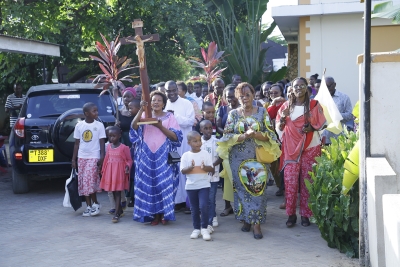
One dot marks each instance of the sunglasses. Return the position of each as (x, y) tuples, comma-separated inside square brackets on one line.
[(302, 86)]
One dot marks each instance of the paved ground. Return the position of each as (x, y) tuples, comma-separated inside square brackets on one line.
[(36, 230)]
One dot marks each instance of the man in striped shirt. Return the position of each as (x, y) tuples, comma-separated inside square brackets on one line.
[(14, 103)]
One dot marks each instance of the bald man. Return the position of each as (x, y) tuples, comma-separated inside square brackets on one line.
[(344, 106), (184, 114)]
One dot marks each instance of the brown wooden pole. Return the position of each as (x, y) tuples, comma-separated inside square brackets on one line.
[(144, 80)]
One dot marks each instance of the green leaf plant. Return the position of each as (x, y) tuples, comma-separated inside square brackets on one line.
[(112, 66), (237, 29), (387, 10), (335, 214), (211, 59)]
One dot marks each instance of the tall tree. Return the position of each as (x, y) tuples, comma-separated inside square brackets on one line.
[(238, 31), (72, 24), (75, 25)]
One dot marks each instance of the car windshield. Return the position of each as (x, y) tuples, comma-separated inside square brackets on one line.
[(54, 104)]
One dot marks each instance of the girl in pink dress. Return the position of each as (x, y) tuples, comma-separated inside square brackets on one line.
[(116, 169)]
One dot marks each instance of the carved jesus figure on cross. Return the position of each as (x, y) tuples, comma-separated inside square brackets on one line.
[(139, 40), (140, 49)]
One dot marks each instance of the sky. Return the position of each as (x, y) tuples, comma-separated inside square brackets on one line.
[(267, 16)]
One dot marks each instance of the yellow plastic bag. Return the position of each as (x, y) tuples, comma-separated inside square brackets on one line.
[(264, 156)]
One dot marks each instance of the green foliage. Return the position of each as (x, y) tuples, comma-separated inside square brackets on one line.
[(111, 65), (75, 26), (386, 10), (238, 31), (209, 64), (275, 76), (335, 214), (72, 24)]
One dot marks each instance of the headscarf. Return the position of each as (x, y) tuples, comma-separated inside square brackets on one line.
[(129, 89)]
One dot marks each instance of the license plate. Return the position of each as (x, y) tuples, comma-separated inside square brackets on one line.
[(41, 155)]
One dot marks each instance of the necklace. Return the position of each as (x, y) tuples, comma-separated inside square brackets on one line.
[(244, 112), (156, 116)]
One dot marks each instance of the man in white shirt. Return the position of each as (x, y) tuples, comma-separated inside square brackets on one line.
[(197, 94), (344, 106), (184, 114)]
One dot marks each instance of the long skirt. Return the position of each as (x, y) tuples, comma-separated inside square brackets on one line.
[(250, 179)]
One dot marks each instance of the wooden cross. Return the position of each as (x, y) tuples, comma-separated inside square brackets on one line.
[(139, 40)]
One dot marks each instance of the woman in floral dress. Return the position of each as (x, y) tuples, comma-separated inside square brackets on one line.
[(248, 127)]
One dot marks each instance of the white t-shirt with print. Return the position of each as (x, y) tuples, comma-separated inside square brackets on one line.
[(210, 146), (89, 135), (197, 180)]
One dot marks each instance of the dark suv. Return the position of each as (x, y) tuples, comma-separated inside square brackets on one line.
[(41, 142)]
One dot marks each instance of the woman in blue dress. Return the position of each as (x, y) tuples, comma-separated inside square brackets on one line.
[(156, 181)]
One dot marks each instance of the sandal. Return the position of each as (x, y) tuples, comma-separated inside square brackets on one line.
[(164, 221), (154, 223), (305, 221), (291, 221), (115, 219), (279, 193), (226, 212), (246, 227)]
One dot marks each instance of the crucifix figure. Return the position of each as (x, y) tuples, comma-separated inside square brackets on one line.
[(139, 40), (140, 49)]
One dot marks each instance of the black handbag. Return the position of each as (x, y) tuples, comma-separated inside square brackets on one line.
[(74, 198), (173, 157)]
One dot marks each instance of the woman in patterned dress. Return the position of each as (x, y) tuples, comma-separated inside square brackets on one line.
[(246, 128), (298, 122), (156, 181)]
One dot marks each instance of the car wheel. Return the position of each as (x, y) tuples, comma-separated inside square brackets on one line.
[(63, 131), (19, 183)]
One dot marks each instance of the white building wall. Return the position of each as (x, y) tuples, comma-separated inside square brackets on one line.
[(385, 126), (392, 229), (335, 42), (316, 2)]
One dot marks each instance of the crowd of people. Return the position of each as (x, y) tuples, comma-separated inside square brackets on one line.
[(222, 135)]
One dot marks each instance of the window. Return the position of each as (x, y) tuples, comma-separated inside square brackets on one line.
[(55, 104)]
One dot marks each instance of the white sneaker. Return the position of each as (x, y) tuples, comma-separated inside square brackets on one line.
[(95, 209), (215, 222), (87, 211), (195, 234), (210, 229), (205, 234)]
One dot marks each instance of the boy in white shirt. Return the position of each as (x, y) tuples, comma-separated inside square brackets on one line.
[(196, 164), (209, 144), (88, 155)]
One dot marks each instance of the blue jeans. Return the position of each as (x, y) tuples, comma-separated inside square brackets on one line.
[(211, 202), (199, 202)]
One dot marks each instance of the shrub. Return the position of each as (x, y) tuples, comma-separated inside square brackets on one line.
[(335, 214)]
